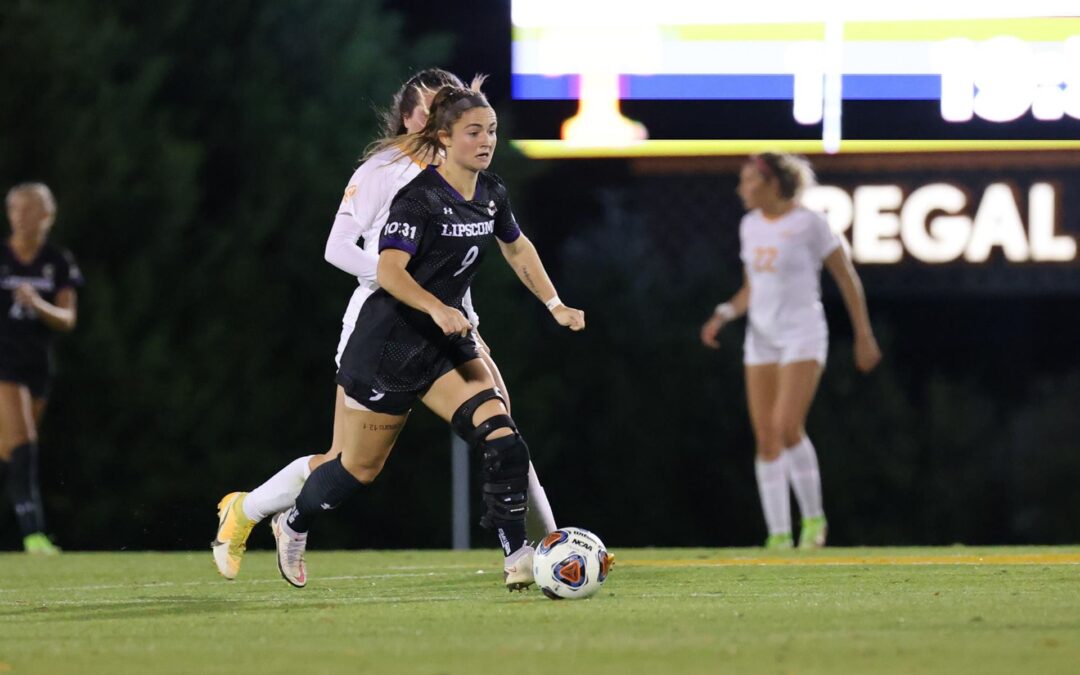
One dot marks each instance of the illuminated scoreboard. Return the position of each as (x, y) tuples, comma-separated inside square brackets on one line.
[(689, 77)]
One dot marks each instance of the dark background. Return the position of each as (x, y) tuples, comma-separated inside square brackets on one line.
[(198, 152)]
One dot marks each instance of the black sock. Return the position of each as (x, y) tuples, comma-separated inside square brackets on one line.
[(511, 535), (23, 491), (326, 488)]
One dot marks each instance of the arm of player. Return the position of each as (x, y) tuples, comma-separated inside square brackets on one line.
[(344, 253), (61, 316), (396, 280), (525, 261), (724, 313), (867, 352), (359, 209)]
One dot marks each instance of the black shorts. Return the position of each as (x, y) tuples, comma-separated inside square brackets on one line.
[(37, 378), (373, 393)]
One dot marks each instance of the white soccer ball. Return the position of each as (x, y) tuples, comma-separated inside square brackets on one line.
[(571, 563)]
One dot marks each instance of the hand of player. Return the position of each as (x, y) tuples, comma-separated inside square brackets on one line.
[(710, 329), (26, 296), (450, 321), (867, 352), (574, 319)]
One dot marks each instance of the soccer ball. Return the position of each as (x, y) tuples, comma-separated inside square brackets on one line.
[(571, 563)]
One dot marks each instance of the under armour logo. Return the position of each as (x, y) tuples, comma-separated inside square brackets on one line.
[(378, 395), (448, 211), (491, 208)]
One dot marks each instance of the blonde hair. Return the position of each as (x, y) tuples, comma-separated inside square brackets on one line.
[(41, 190), (793, 172), (447, 107)]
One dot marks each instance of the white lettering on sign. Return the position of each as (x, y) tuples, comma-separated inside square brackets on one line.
[(932, 223), (1001, 79), (874, 240), (943, 237)]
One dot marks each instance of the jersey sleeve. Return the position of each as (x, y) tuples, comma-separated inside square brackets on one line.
[(823, 240), (405, 224), (355, 220), (68, 274)]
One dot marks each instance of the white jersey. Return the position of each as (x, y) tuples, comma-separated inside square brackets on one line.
[(362, 215), (782, 259)]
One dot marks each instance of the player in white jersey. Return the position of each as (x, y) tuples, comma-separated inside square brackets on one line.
[(352, 246), (783, 247)]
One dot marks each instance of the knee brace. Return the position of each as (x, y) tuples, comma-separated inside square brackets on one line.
[(504, 462), (504, 468), (463, 416)]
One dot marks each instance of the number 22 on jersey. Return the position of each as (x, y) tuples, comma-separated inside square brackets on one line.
[(764, 257)]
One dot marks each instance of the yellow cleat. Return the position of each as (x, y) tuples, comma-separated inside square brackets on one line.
[(39, 544), (779, 542), (233, 530), (813, 533)]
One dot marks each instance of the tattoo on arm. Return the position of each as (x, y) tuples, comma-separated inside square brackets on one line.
[(529, 281)]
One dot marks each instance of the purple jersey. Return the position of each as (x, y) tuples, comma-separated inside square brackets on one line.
[(395, 347), (24, 339)]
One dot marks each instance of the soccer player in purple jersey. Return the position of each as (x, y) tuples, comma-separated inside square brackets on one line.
[(38, 283), (352, 246), (412, 341)]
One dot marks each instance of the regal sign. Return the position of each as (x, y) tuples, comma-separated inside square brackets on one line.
[(940, 223)]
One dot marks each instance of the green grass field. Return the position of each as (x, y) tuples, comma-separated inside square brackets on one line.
[(952, 610)]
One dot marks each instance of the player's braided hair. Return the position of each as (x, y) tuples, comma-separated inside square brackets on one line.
[(448, 105), (793, 172), (411, 95)]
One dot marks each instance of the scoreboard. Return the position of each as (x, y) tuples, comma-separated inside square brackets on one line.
[(684, 77)]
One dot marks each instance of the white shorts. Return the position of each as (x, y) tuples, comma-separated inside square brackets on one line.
[(759, 350)]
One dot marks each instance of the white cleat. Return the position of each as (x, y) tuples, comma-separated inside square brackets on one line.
[(518, 569), (290, 550)]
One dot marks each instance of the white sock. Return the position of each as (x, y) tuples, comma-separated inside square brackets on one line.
[(540, 519), (775, 498), (279, 492), (802, 466)]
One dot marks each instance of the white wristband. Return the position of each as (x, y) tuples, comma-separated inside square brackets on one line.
[(553, 302), (725, 310)]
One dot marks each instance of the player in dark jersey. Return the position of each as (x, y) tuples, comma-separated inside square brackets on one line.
[(352, 246), (412, 341), (37, 298)]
